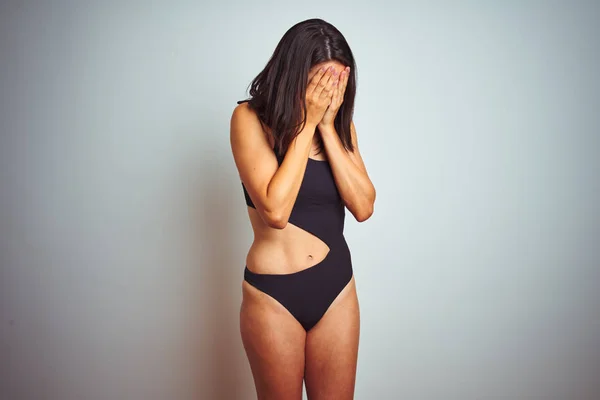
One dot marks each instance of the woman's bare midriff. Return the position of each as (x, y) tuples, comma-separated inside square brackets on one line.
[(282, 251)]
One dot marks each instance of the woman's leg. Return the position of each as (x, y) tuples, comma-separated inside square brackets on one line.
[(332, 349), (274, 343)]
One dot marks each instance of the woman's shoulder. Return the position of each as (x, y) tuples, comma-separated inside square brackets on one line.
[(245, 119), (245, 116), (243, 108)]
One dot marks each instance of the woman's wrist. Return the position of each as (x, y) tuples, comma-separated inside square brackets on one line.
[(309, 128), (326, 129)]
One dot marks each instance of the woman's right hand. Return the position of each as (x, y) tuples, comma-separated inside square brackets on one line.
[(319, 94)]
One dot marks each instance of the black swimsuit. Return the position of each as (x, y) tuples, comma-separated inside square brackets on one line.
[(319, 210)]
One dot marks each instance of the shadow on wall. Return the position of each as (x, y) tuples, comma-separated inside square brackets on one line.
[(218, 362)]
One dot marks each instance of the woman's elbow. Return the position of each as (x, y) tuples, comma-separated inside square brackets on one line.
[(276, 220), (367, 210), (364, 213), (363, 216)]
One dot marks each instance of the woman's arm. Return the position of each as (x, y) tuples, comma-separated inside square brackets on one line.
[(273, 188), (350, 173)]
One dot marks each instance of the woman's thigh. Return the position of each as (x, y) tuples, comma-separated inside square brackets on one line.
[(332, 349), (274, 342)]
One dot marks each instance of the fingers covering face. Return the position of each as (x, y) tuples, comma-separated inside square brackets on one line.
[(324, 82), (316, 78)]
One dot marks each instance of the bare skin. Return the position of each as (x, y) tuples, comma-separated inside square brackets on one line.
[(281, 353)]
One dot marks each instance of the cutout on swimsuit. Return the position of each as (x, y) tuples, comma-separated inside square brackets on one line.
[(304, 251)]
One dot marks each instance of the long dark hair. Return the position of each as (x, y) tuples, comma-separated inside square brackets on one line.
[(278, 93)]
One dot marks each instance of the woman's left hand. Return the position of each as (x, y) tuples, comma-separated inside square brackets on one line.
[(337, 99)]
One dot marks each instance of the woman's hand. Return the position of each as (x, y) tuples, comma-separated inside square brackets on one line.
[(318, 95), (339, 88)]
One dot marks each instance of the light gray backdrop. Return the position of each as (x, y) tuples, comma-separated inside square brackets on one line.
[(124, 229)]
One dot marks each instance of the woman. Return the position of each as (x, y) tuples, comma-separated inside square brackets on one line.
[(295, 148)]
